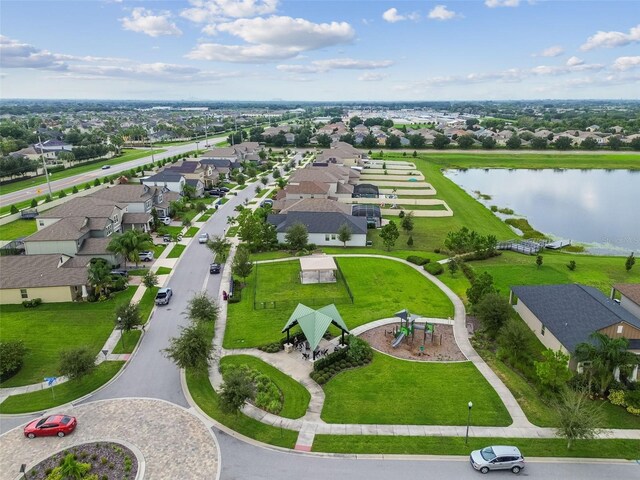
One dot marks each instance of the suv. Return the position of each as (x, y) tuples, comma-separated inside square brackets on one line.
[(164, 296), (203, 238), (214, 268), (497, 458), (146, 256), (165, 220), (119, 273)]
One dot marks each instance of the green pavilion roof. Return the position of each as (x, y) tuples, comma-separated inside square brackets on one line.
[(314, 323)]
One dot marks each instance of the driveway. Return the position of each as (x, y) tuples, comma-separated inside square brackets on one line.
[(174, 443)]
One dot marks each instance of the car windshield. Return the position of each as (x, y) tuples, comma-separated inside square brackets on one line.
[(41, 422), (65, 420), (487, 454), (161, 295)]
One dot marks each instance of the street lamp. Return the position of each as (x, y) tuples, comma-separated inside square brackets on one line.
[(23, 471), (466, 439), (197, 148), (121, 337)]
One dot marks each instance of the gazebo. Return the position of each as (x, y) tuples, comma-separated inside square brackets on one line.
[(314, 323), (317, 269)]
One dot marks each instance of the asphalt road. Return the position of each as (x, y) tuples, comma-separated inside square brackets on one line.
[(56, 185)]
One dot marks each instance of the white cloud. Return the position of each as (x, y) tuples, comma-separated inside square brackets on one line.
[(625, 63), (392, 16), (213, 11), (15, 54), (371, 77), (154, 25), (322, 66), (440, 12), (273, 38), (566, 69), (612, 39), (501, 3), (553, 51), (573, 61)]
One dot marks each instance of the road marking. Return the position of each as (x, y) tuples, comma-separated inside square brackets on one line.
[(205, 283)]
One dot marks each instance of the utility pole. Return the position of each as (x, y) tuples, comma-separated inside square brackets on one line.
[(44, 164)]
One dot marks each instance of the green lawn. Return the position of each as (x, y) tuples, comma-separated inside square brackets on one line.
[(232, 232), (130, 340), (394, 391), (127, 156), (204, 217), (296, 397), (173, 231), (192, 232), (54, 327), (163, 271), (530, 447), (64, 393), (158, 249), (176, 251), (17, 229), (138, 272), (377, 292), (147, 303)]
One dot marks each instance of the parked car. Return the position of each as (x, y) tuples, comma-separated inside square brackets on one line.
[(165, 220), (214, 191), (119, 273), (163, 297), (105, 167), (59, 425), (497, 458), (214, 268), (146, 256), (203, 238), (224, 189), (265, 202)]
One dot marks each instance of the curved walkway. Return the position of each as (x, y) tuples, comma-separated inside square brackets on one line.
[(174, 443)]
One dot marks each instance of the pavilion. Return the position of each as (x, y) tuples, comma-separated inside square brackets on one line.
[(318, 269), (314, 323)]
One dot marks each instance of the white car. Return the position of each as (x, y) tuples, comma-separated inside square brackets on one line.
[(146, 256), (203, 238), (165, 220)]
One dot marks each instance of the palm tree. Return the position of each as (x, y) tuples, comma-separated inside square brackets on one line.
[(99, 274), (130, 244), (117, 246), (606, 355), (220, 247)]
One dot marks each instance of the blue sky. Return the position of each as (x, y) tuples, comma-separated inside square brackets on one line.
[(320, 50)]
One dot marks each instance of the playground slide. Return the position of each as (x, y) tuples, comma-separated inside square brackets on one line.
[(398, 340)]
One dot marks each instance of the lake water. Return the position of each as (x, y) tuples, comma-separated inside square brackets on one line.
[(599, 208)]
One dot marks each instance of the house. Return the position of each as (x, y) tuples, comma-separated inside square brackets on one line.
[(53, 278), (564, 316), (322, 227), (172, 181), (629, 296), (310, 205), (53, 146)]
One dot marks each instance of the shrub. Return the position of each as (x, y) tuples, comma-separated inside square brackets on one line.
[(616, 397), (416, 260), (358, 349), (633, 410), (12, 354), (34, 302), (401, 214), (77, 363), (34, 203), (14, 209), (434, 268), (62, 194), (74, 189), (494, 208), (632, 398), (571, 265), (96, 182)]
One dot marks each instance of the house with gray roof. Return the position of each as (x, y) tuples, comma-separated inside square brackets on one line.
[(323, 227), (564, 316), (170, 180)]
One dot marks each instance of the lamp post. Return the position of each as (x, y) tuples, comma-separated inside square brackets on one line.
[(197, 148), (121, 337), (466, 439), (23, 471)]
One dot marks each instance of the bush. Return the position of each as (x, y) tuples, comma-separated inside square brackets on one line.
[(616, 397), (14, 210), (632, 398), (416, 260), (571, 265), (358, 350), (12, 355), (434, 268), (77, 363), (633, 410), (34, 302), (62, 194)]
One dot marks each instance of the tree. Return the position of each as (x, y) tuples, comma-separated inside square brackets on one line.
[(514, 341), (150, 279), (344, 234), (297, 236), (220, 247), (192, 349), (553, 372), (407, 223), (440, 141), (77, 363), (605, 356), (493, 311), (589, 143), (635, 143), (12, 355), (416, 141), (202, 308), (578, 416), (538, 143), (452, 265), (389, 234), (369, 141), (393, 141), (127, 316), (410, 241), (236, 389), (242, 264), (489, 143), (514, 142), (629, 262), (571, 265), (481, 286), (34, 203), (324, 140), (465, 141), (99, 274), (563, 143), (539, 260), (129, 244), (614, 143)]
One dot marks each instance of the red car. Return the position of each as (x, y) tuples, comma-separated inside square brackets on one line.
[(59, 425)]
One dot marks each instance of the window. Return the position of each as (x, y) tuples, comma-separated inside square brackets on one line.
[(619, 329), (542, 330), (41, 222), (109, 229), (326, 237), (23, 293), (333, 236)]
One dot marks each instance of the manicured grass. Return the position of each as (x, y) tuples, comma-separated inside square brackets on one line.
[(158, 249), (130, 340), (173, 231), (204, 217), (54, 327), (530, 447), (138, 272), (192, 232), (262, 193), (176, 251), (127, 156), (64, 393), (241, 187), (207, 399), (394, 391), (296, 397), (232, 232), (147, 302), (17, 229), (224, 200), (163, 271), (380, 287)]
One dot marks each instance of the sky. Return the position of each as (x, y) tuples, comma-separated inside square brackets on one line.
[(317, 50)]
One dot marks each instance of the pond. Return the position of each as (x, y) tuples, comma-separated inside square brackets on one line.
[(598, 208)]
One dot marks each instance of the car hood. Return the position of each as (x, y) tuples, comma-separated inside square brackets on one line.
[(477, 457), (32, 425)]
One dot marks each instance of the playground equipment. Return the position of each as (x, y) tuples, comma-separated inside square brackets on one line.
[(408, 327)]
